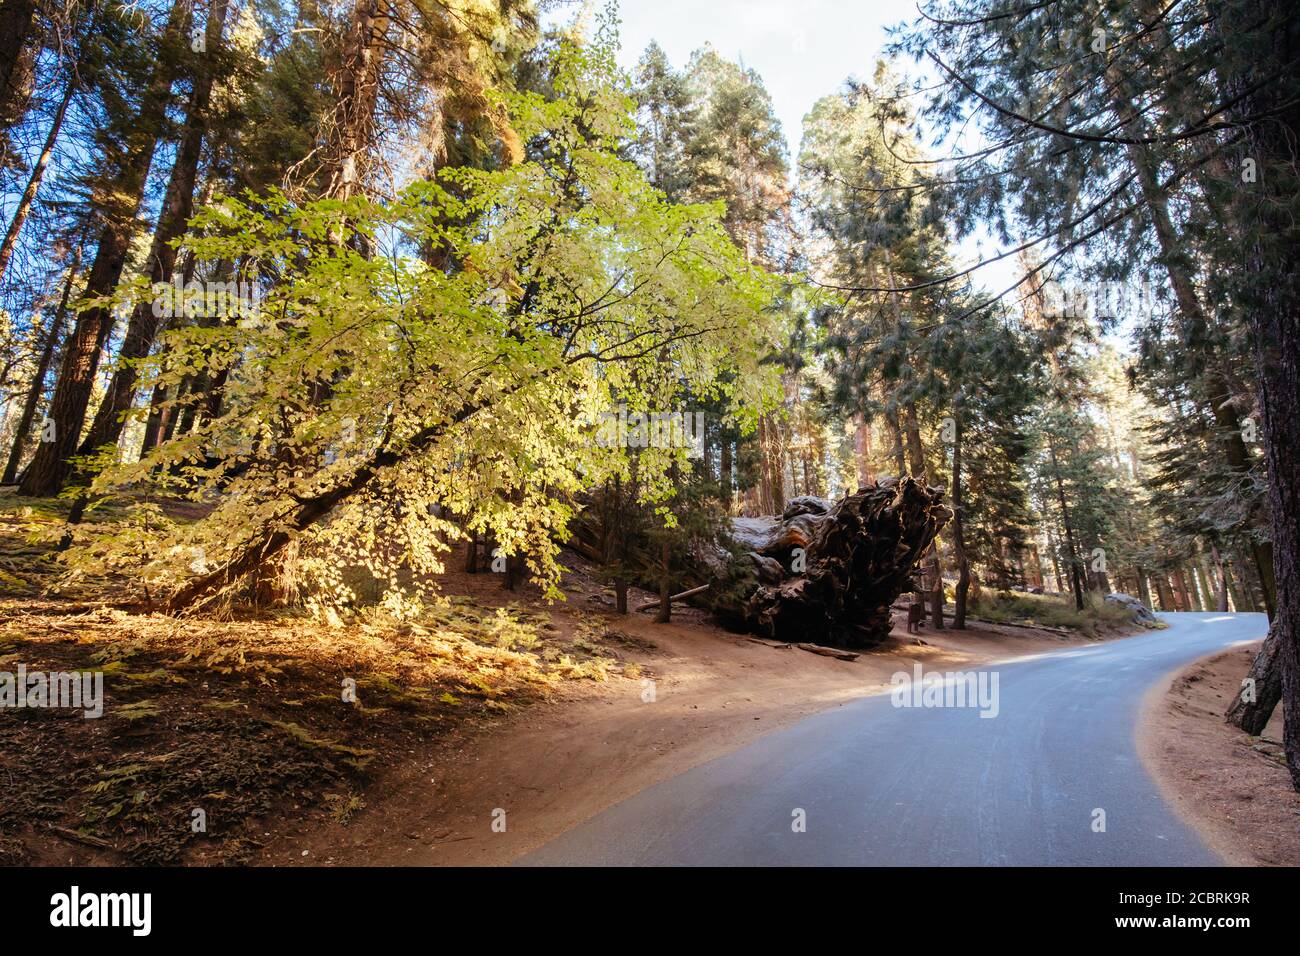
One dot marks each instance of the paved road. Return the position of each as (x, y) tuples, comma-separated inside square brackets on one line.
[(887, 785)]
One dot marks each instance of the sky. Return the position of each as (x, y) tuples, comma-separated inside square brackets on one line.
[(803, 49)]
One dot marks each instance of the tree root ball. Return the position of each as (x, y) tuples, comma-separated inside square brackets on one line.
[(828, 573)]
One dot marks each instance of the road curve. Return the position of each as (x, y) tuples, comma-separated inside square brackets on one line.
[(880, 784)]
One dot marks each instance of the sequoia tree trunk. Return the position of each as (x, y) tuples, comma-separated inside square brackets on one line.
[(117, 202), (351, 125), (174, 217), (1222, 592)]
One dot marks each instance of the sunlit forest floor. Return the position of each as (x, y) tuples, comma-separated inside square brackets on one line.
[(241, 718), (244, 718)]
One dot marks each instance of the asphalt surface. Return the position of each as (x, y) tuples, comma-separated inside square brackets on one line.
[(880, 784)]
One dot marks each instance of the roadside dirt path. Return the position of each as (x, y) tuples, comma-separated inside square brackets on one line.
[(1233, 788)]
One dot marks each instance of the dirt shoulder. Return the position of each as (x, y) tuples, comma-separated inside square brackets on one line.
[(556, 764), (1231, 787)]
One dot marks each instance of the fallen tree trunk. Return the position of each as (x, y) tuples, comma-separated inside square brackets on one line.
[(681, 596), (829, 573), (821, 572), (820, 650), (828, 652)]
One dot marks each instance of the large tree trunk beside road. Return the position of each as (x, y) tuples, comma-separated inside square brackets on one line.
[(1260, 691)]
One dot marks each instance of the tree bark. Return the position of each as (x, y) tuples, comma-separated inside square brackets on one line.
[(1242, 599), (350, 130), (1180, 590), (1209, 598), (1263, 683), (1222, 592), (155, 423), (1054, 551), (1100, 581), (857, 557), (618, 546), (665, 585), (1071, 555), (921, 471), (1144, 589), (174, 217), (471, 552), (17, 18), (896, 435), (1165, 593), (862, 448), (1036, 563), (726, 478), (958, 536), (1200, 594), (161, 423), (118, 204)]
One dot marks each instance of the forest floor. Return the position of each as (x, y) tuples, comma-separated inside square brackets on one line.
[(488, 725), (1233, 788)]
